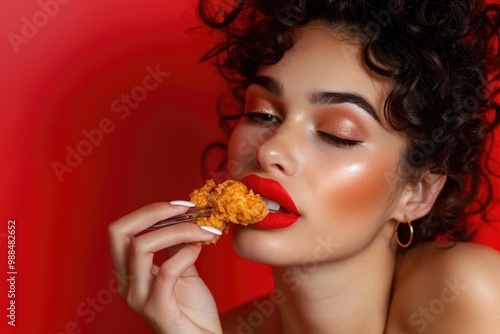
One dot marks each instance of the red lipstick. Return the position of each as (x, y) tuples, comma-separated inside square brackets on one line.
[(273, 190)]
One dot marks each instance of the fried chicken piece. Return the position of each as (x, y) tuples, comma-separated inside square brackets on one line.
[(231, 202)]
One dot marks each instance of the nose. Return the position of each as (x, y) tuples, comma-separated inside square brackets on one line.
[(278, 153)]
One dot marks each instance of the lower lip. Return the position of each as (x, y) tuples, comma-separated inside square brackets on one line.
[(276, 221)]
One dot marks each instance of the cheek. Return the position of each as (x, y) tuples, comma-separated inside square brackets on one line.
[(241, 151), (361, 188), (242, 148)]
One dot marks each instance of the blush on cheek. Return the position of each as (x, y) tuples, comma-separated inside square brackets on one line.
[(363, 188)]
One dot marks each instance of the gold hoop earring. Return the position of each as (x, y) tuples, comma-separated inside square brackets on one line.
[(409, 236)]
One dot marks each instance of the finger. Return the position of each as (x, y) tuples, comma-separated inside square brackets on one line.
[(143, 249), (174, 250), (121, 233), (170, 271), (155, 269)]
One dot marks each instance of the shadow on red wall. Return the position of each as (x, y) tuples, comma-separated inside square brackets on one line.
[(105, 108)]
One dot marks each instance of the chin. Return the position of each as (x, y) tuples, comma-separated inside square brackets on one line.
[(258, 245), (272, 247)]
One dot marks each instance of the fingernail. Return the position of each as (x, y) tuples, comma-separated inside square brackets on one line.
[(211, 230), (183, 203)]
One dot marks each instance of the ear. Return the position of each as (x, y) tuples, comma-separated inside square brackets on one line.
[(418, 198)]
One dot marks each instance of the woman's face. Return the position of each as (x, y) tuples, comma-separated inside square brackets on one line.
[(314, 123)]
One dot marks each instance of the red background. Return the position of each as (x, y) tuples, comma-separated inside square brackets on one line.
[(60, 82)]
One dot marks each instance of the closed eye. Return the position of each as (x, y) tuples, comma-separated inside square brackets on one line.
[(337, 141)]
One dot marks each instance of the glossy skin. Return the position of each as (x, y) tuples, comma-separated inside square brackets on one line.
[(333, 159), (338, 262)]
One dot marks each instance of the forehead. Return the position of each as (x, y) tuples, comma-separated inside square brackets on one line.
[(323, 59)]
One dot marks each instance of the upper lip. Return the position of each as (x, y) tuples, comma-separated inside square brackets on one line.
[(272, 190)]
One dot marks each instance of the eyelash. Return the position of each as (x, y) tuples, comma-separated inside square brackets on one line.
[(260, 118), (337, 141), (263, 119)]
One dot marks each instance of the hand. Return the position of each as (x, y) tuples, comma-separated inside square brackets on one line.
[(171, 298)]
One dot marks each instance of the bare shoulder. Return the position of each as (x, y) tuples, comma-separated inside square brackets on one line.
[(441, 288), (257, 316)]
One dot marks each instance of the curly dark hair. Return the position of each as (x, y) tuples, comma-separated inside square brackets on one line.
[(441, 55)]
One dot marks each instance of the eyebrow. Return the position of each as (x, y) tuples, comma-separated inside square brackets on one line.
[(344, 97), (275, 87)]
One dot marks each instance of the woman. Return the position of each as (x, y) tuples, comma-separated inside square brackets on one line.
[(360, 119)]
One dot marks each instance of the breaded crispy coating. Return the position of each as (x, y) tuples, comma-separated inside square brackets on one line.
[(231, 202)]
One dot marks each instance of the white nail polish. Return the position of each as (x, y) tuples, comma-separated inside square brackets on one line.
[(211, 230), (183, 203)]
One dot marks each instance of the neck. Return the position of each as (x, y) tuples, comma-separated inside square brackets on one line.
[(347, 296)]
